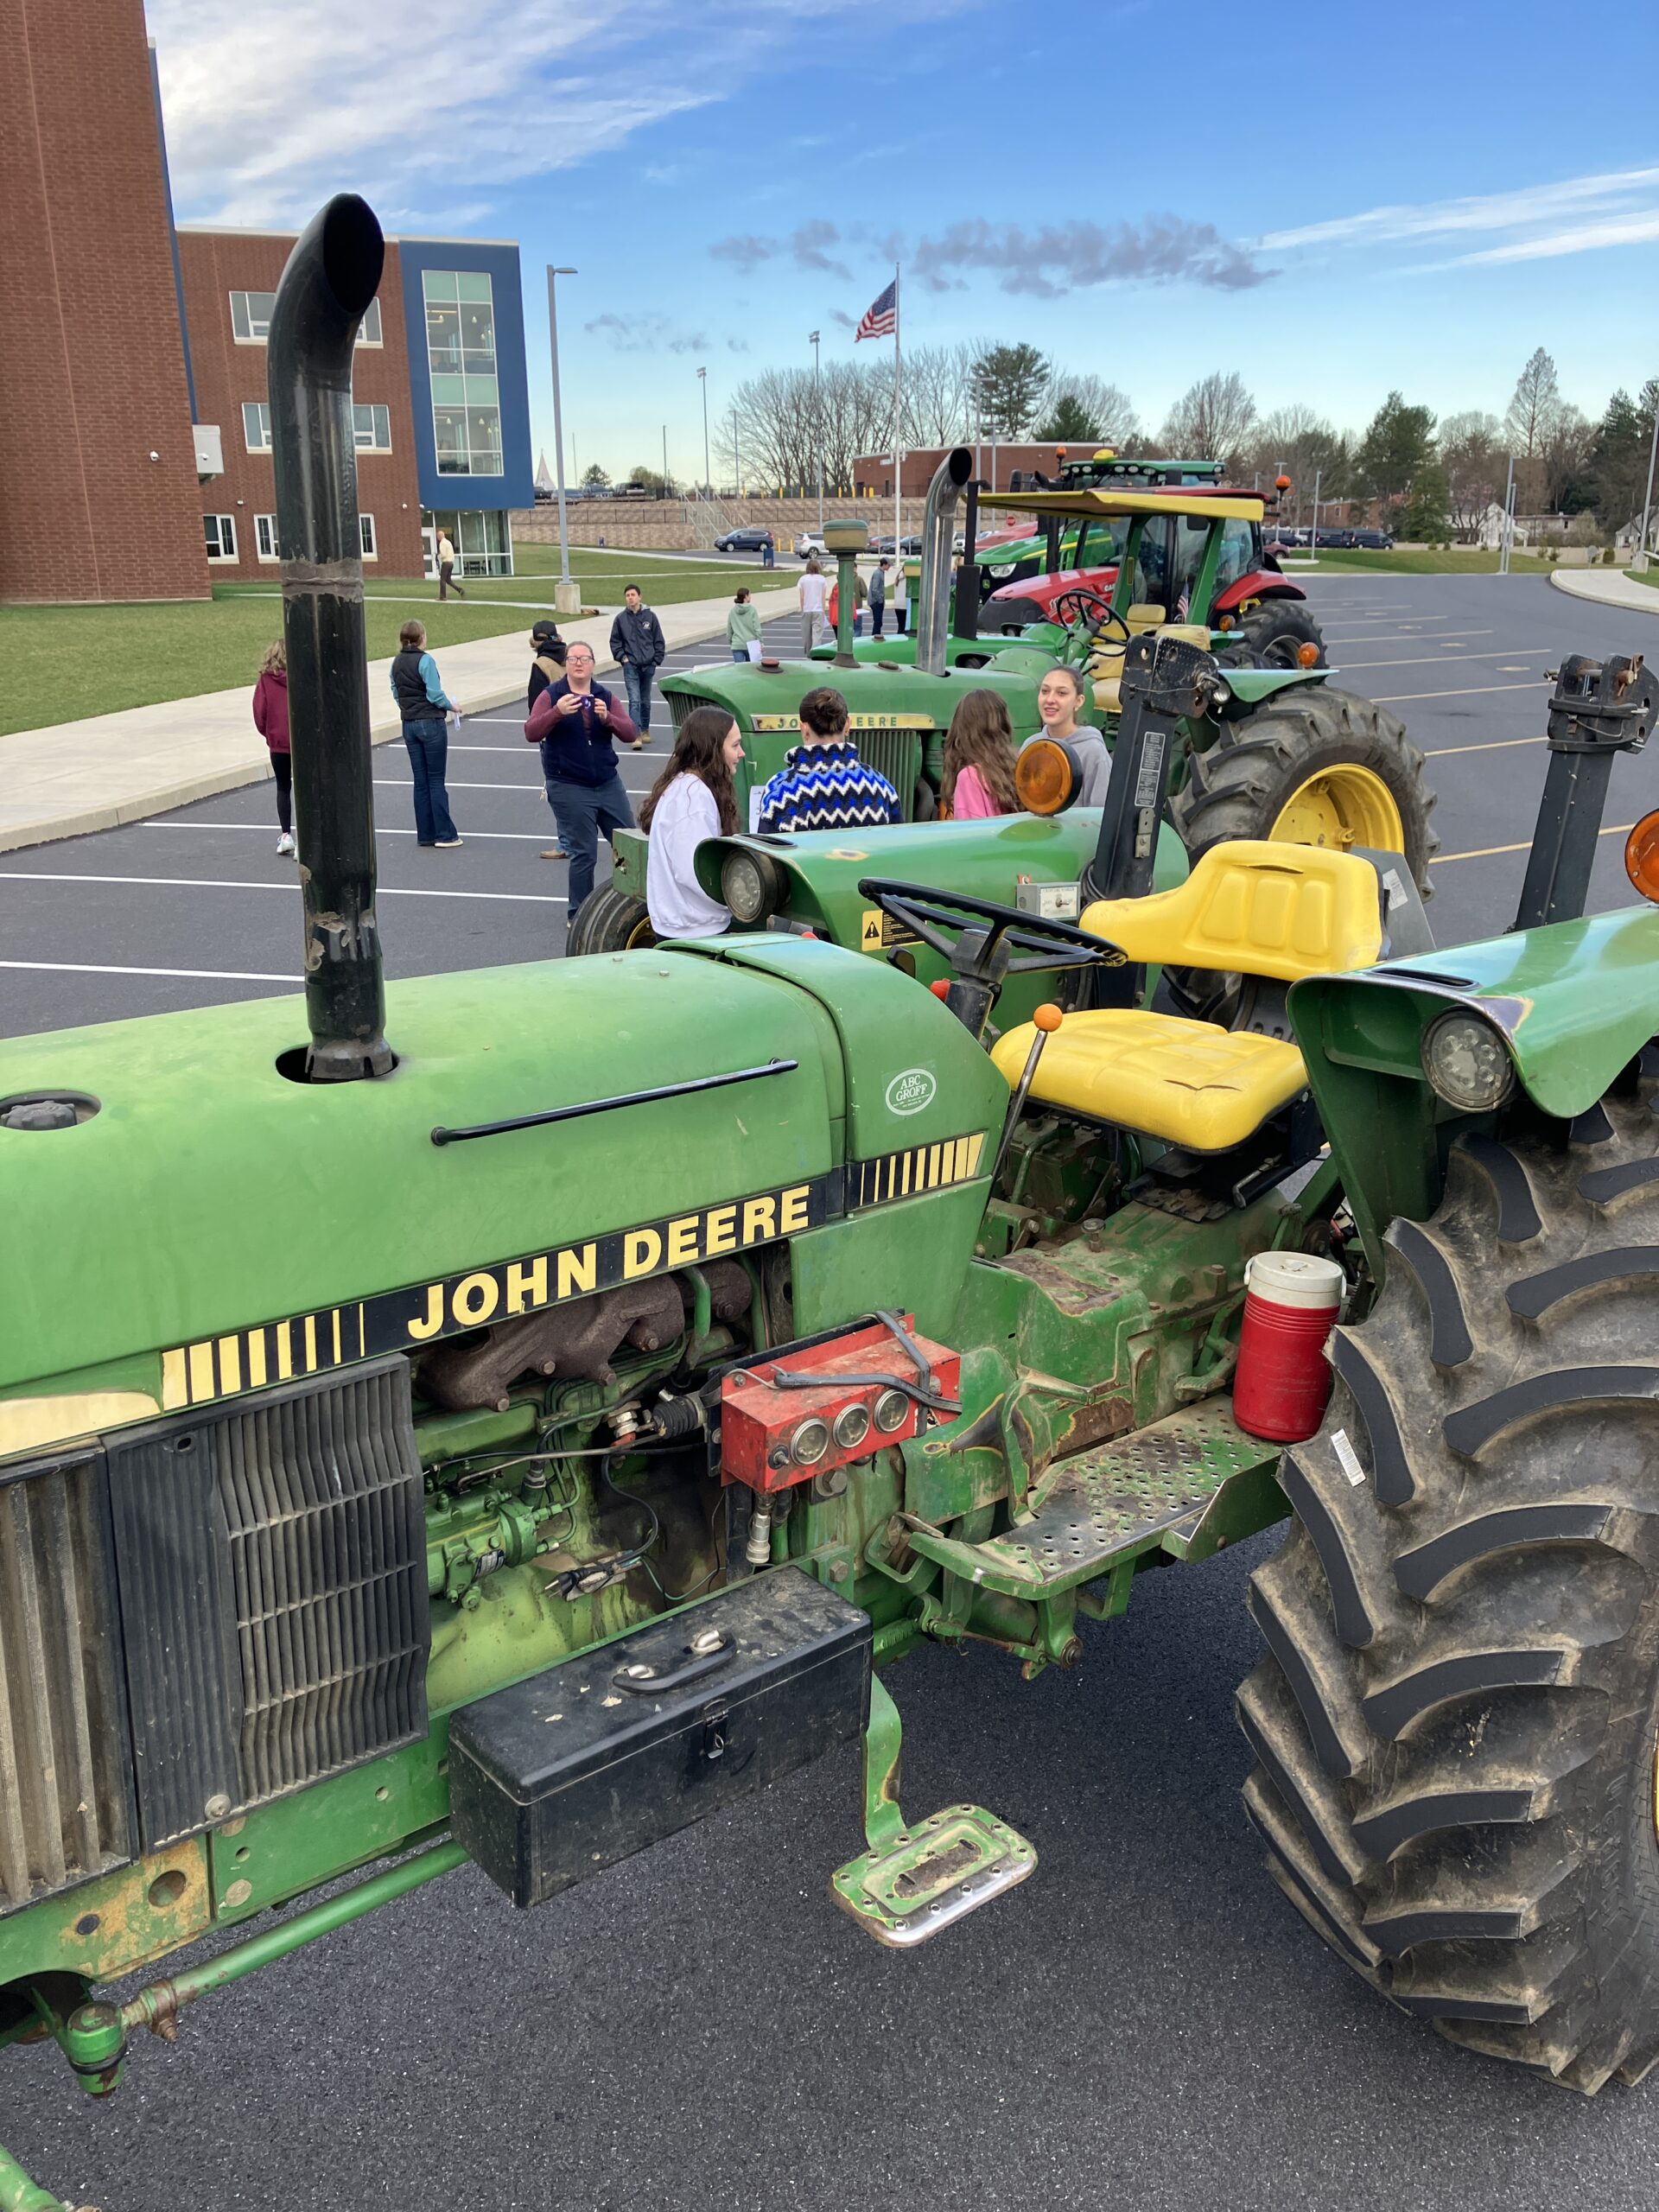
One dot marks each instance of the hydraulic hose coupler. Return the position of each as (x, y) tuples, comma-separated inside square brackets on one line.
[(758, 1550)]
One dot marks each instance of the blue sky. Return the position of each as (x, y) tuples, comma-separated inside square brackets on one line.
[(1365, 199)]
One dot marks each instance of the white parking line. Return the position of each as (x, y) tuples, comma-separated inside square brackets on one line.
[(1391, 638), (1396, 698), (1492, 745), (496, 836), (215, 883), (1434, 660), (191, 975), (1487, 852)]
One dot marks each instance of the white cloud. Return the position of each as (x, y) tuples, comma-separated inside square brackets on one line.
[(272, 105), (1636, 228), (1523, 208)]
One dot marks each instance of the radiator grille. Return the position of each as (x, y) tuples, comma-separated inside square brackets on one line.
[(273, 1581), (680, 704), (65, 1810), (896, 754)]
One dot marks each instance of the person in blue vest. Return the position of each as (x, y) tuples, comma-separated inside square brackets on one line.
[(577, 723), (425, 707), (822, 784)]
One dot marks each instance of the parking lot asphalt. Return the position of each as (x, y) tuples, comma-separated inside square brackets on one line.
[(1145, 2025)]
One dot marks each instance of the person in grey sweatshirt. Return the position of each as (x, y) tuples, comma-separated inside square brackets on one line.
[(638, 650)]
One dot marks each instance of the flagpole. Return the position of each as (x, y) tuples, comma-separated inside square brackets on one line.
[(897, 449)]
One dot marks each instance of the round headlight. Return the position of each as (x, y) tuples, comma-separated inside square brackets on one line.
[(892, 1411), (1467, 1063), (852, 1426), (809, 1442), (749, 885)]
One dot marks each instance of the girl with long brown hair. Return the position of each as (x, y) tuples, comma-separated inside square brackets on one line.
[(691, 800), (979, 756)]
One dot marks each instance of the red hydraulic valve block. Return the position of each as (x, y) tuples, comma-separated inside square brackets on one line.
[(773, 1435)]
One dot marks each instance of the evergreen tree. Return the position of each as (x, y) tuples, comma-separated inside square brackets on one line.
[(1007, 386), (1426, 515), (594, 478), (1069, 423), (1396, 446)]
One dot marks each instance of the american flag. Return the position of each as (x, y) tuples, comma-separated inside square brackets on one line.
[(881, 317)]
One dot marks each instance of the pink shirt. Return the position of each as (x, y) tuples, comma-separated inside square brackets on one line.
[(970, 801)]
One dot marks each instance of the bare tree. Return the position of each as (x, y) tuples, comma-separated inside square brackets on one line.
[(1212, 420), (1533, 410), (1566, 455), (935, 394), (1473, 457)]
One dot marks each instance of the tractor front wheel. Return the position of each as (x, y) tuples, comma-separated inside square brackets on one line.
[(1455, 1722), (1317, 767), (610, 921), (1275, 630)]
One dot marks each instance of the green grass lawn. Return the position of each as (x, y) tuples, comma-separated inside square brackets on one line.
[(1649, 576), (1457, 561), (62, 662)]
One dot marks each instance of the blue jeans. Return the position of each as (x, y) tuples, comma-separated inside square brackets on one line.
[(740, 652), (878, 608), (581, 810), (637, 682), (428, 750)]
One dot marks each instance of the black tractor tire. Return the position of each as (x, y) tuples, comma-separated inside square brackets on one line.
[(610, 921), (1239, 786), (1274, 631), (1455, 1723)]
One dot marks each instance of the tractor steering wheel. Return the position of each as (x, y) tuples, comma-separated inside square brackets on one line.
[(1088, 610), (983, 941)]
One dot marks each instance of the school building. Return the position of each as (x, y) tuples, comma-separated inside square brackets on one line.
[(135, 413)]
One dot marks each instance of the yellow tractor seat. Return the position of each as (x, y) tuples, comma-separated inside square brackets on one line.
[(1190, 1083), (1255, 908), (1249, 908), (1106, 662)]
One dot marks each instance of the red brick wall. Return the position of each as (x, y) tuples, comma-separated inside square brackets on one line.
[(217, 264), (92, 363)]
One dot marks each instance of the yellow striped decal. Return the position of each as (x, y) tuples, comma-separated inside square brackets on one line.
[(223, 1367), (760, 722), (906, 1174)]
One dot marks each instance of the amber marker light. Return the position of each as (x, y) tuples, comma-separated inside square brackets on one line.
[(1307, 656), (1281, 483), (1045, 777), (1642, 856)]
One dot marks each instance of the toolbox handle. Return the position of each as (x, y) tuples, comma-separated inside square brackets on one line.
[(641, 1680)]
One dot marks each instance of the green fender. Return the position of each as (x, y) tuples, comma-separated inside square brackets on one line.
[(1574, 1002)]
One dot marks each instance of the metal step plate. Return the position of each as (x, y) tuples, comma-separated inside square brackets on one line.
[(938, 1873), (1123, 1497)]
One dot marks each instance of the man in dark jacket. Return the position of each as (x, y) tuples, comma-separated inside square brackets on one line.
[(574, 722), (638, 648)]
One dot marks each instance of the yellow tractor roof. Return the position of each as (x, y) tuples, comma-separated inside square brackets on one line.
[(1179, 499)]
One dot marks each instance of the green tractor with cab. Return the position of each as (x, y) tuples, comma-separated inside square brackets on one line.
[(665, 1344)]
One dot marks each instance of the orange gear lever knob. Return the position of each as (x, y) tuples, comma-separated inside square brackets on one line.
[(1048, 1017)]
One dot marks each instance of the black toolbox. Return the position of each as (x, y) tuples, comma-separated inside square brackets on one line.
[(556, 1777)]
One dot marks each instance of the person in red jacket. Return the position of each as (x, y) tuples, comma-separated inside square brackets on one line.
[(270, 720)]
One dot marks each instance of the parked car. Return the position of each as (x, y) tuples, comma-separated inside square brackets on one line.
[(744, 541), (809, 540), (1373, 540)]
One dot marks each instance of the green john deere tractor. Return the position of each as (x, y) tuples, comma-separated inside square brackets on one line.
[(663, 1345)]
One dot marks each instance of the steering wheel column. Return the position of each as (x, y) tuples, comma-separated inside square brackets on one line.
[(985, 942)]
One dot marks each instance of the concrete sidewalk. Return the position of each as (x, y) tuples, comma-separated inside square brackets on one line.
[(1609, 587), (77, 777)]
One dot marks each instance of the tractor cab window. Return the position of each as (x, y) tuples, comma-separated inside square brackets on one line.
[(1190, 538), (1152, 569), (1100, 545), (1240, 553)]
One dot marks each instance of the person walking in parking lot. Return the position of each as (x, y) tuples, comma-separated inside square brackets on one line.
[(878, 597), (424, 706), (446, 567), (270, 720), (638, 648), (742, 627), (577, 723), (812, 594), (900, 596)]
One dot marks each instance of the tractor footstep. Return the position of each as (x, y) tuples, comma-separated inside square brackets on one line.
[(940, 1871)]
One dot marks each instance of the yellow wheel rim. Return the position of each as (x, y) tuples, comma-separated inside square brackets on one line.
[(641, 936), (1341, 806)]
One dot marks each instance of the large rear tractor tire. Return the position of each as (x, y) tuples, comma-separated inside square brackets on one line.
[(1317, 767), (1455, 1723), (610, 921), (1275, 631)]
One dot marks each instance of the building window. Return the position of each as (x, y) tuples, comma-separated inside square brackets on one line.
[(374, 426), (264, 537), (220, 531), (256, 425), (250, 316), (483, 541), (250, 320), (365, 531), (461, 355)]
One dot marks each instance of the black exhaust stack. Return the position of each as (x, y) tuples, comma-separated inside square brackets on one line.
[(332, 275)]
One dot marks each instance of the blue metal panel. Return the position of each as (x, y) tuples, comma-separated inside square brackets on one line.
[(515, 486)]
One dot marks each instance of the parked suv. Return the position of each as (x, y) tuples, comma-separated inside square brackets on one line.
[(743, 541), (1373, 540), (809, 540)]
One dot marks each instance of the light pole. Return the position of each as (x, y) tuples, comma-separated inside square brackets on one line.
[(707, 485), (817, 425), (737, 464), (566, 598), (1653, 455), (666, 486)]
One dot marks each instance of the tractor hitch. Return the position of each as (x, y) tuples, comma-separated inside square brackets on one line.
[(1598, 708)]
